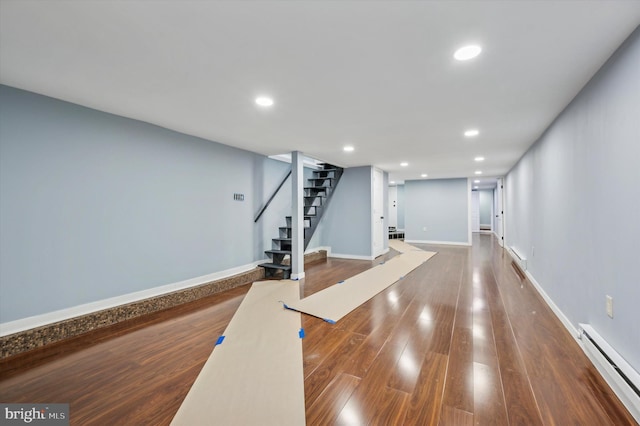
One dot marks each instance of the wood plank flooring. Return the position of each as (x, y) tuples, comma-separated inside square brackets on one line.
[(461, 340)]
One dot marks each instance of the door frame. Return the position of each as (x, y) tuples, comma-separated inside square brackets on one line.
[(377, 193), (500, 233)]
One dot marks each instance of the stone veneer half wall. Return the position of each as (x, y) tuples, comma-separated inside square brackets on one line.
[(27, 340)]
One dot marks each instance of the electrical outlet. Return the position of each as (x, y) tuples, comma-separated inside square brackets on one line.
[(610, 306)]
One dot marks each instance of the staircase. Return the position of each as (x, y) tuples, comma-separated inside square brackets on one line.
[(316, 199)]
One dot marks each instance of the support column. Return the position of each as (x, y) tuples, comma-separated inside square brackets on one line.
[(297, 216)]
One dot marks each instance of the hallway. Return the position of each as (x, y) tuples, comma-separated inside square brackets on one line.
[(458, 341)]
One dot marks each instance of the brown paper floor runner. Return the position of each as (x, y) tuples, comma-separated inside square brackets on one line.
[(333, 303), (254, 375)]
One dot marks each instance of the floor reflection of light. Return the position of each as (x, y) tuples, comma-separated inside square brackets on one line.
[(392, 297), (476, 276), (478, 304), (425, 315), (478, 332), (481, 383), (407, 362), (350, 416)]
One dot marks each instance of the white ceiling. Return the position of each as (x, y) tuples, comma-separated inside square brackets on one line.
[(378, 75)]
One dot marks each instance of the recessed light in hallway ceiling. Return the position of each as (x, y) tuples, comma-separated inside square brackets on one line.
[(479, 159), (423, 175), (467, 52), (404, 164), (264, 101), (478, 172), (348, 148), (471, 133)]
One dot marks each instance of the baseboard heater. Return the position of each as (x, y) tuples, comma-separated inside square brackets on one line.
[(619, 374), (519, 257)]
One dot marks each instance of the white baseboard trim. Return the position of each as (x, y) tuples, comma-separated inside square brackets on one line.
[(28, 323), (613, 378), (556, 310), (573, 330), (441, 243), (606, 371), (350, 256)]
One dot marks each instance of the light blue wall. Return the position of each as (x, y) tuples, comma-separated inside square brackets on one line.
[(575, 198), (94, 205), (401, 203), (346, 225), (486, 202), (385, 197), (440, 205)]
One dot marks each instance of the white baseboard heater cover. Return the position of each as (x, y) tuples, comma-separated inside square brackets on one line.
[(618, 373), (519, 257)]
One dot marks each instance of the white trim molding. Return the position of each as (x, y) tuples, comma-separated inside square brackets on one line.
[(350, 256), (556, 310), (598, 350), (613, 379), (439, 243), (28, 323)]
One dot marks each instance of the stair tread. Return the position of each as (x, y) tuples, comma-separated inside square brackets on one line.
[(276, 266), (278, 251)]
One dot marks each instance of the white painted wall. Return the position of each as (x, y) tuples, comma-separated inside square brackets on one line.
[(573, 201), (393, 206), (94, 206), (437, 211), (475, 211)]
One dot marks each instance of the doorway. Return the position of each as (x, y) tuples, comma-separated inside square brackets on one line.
[(498, 215), (377, 218)]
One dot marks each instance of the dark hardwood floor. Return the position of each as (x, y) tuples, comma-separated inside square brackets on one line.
[(459, 341)]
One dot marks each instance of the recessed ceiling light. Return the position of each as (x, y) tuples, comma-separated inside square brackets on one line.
[(348, 148), (404, 164), (479, 159), (467, 52), (264, 101), (424, 175), (478, 172), (475, 187), (476, 181), (471, 133), (392, 182)]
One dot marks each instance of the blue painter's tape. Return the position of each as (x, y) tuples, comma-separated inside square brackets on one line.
[(341, 282), (219, 341), (284, 305), (330, 321), (301, 333), (401, 276)]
